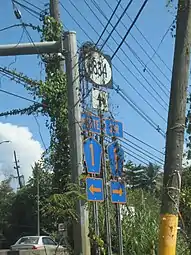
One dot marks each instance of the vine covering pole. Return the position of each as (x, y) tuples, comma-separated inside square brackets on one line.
[(175, 131), (81, 227)]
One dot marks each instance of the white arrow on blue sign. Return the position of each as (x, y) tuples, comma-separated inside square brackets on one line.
[(116, 158), (92, 154)]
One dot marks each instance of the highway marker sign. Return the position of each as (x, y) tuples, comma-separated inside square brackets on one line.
[(113, 128), (118, 192), (92, 154), (94, 189), (116, 158), (91, 123)]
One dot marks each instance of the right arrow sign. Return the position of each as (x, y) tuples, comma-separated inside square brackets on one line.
[(118, 192)]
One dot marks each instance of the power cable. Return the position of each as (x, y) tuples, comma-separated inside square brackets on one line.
[(149, 71), (139, 140), (32, 5), (21, 97), (25, 7), (156, 127), (76, 22), (109, 20), (141, 150), (139, 111), (142, 36), (133, 23), (39, 130), (124, 64), (125, 77), (117, 23)]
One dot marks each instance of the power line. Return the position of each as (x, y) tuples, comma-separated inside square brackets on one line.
[(114, 28), (150, 72), (109, 20), (21, 97), (32, 5), (142, 36), (125, 77), (39, 130), (140, 112), (133, 23), (139, 140), (141, 150)]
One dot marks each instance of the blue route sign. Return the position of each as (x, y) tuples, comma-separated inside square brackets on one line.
[(94, 189), (116, 158), (118, 193), (91, 123), (113, 128), (92, 154)]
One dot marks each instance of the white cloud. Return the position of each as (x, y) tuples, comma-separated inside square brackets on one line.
[(27, 149)]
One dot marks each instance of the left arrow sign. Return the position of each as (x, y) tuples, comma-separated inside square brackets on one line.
[(94, 189)]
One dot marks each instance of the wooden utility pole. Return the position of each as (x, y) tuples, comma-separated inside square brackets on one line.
[(17, 169), (175, 131)]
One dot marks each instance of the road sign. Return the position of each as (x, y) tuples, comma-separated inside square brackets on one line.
[(91, 123), (100, 100), (98, 69), (94, 189), (116, 159), (113, 128), (118, 193), (92, 153)]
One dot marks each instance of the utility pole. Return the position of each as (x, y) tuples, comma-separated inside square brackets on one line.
[(38, 202), (119, 228), (17, 169), (81, 228), (175, 131), (104, 172), (55, 13)]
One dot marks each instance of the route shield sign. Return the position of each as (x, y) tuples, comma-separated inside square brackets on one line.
[(118, 193), (116, 158), (92, 154), (91, 123), (113, 128), (94, 189)]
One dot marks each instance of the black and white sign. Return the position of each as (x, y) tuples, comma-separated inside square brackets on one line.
[(100, 100), (98, 69)]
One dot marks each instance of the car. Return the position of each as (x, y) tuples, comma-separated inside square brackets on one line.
[(35, 243)]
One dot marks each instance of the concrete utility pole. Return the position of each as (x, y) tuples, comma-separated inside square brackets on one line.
[(81, 228), (175, 131)]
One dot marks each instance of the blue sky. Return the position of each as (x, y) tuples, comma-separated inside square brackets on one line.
[(153, 23)]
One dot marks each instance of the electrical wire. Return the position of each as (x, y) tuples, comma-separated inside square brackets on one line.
[(9, 27), (76, 22), (149, 71), (40, 133), (139, 140), (139, 111), (141, 150), (32, 5), (124, 64), (21, 97), (109, 20), (26, 8), (144, 37), (132, 25), (125, 77), (117, 23)]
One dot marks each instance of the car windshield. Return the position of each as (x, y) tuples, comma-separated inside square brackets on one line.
[(28, 240)]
